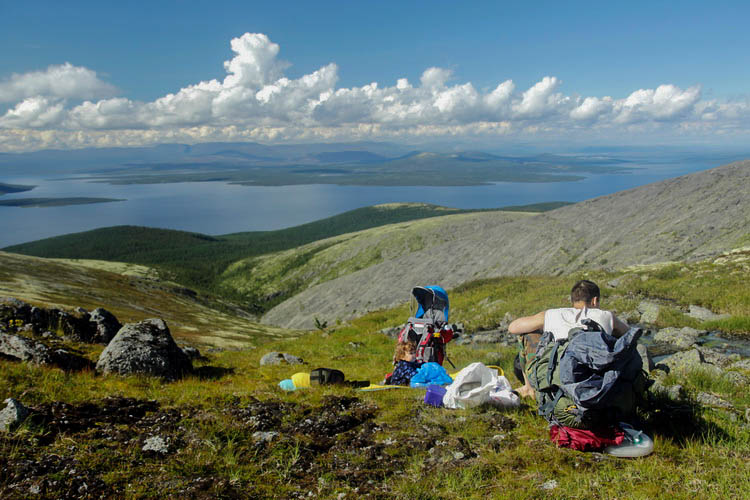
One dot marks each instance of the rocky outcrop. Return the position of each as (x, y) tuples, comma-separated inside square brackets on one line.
[(145, 348), (20, 348), (97, 327)]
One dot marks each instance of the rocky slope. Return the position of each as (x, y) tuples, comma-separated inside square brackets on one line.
[(685, 218)]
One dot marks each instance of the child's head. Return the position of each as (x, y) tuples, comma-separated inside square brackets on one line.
[(405, 351)]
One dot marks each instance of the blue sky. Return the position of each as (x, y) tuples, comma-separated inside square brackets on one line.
[(76, 74)]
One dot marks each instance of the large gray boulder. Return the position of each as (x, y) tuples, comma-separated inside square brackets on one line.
[(145, 348)]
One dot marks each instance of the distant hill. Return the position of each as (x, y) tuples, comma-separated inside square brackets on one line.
[(685, 218), (200, 261)]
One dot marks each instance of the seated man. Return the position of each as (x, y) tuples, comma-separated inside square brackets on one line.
[(585, 297)]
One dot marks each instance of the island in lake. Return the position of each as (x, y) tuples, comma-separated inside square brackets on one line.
[(54, 202), (13, 188)]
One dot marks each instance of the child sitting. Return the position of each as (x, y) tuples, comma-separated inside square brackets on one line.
[(406, 365)]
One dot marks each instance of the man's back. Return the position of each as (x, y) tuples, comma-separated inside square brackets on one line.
[(561, 321)]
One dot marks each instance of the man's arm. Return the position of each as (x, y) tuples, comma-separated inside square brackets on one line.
[(619, 327), (527, 324)]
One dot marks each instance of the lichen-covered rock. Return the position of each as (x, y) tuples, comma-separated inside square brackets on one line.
[(649, 311), (737, 378), (277, 358), (156, 444), (12, 415), (104, 325), (718, 358), (708, 399), (703, 314), (674, 392), (145, 348), (682, 338), (24, 349), (98, 326), (21, 348), (743, 364), (684, 361)]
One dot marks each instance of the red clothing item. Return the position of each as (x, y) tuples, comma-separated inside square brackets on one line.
[(584, 439)]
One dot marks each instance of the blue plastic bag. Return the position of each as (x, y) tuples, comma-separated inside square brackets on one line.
[(430, 373)]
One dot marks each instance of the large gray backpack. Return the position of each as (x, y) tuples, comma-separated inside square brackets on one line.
[(590, 379)]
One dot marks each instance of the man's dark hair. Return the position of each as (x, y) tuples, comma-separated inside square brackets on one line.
[(584, 290)]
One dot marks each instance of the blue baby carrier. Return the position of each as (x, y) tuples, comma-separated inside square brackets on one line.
[(429, 328)]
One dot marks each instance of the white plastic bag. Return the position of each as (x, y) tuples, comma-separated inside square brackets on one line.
[(503, 396), (471, 387)]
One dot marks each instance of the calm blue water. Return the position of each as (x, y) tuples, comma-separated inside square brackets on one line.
[(219, 208)]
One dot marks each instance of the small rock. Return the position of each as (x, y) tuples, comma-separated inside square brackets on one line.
[(703, 314), (549, 485), (736, 378), (12, 415), (674, 392), (264, 437), (277, 358), (649, 311), (156, 444), (392, 331), (355, 345), (192, 353), (615, 282), (741, 365), (708, 399), (648, 363)]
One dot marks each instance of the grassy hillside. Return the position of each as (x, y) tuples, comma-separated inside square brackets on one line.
[(132, 292), (197, 260), (335, 442)]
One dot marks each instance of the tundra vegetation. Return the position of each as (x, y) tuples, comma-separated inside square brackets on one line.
[(228, 431)]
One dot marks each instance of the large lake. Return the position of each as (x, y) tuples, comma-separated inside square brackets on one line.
[(220, 208)]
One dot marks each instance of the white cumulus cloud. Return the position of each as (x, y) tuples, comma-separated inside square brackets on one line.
[(62, 81), (71, 106)]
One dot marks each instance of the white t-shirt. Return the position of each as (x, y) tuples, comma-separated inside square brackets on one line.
[(561, 321)]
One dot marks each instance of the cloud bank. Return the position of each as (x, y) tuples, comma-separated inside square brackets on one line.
[(70, 106)]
